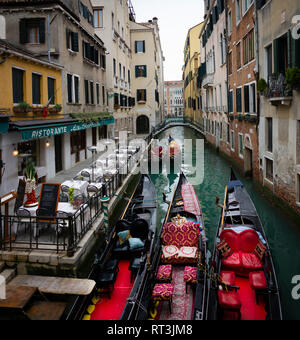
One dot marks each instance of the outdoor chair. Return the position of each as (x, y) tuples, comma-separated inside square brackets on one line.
[(63, 197), (23, 218), (63, 222), (65, 188), (86, 174)]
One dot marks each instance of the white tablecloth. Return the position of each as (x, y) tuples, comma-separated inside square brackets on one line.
[(64, 207), (80, 187)]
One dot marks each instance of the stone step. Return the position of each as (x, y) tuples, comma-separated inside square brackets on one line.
[(2, 265), (8, 274)]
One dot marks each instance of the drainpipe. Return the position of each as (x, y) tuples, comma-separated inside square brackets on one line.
[(257, 61), (49, 40)]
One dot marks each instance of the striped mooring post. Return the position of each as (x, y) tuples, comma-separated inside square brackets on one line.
[(105, 200)]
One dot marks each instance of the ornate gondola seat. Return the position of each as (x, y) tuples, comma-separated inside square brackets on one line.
[(163, 292), (185, 238), (190, 276), (164, 273), (258, 283), (230, 301), (243, 257)]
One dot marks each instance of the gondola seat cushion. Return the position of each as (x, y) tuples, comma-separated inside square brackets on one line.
[(164, 272), (190, 274), (243, 259), (229, 300), (258, 280), (186, 235), (163, 292), (250, 262), (227, 277)]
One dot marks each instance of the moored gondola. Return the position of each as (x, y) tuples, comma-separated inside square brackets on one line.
[(174, 285), (118, 268), (242, 279)]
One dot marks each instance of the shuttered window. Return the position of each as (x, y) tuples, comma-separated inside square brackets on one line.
[(18, 85), (36, 88), (246, 99), (230, 101), (92, 92), (269, 134), (239, 100), (86, 88), (32, 31), (98, 93), (70, 87), (76, 89), (141, 71), (51, 90), (140, 46)]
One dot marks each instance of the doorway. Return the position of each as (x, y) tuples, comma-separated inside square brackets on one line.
[(58, 153), (248, 162)]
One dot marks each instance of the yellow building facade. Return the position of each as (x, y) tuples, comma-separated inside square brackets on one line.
[(192, 94), (31, 81)]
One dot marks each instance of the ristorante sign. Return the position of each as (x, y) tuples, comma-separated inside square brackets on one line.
[(49, 131)]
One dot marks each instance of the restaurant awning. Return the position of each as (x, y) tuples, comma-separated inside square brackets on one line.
[(31, 130)]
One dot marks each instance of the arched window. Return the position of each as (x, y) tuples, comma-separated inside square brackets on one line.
[(142, 125)]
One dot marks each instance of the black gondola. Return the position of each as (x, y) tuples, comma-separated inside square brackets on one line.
[(242, 282), (143, 304), (124, 261)]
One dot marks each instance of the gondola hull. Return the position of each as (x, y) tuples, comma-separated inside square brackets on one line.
[(242, 267)]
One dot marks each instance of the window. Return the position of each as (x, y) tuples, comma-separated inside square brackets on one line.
[(238, 56), (98, 93), (268, 62), (115, 67), (90, 52), (18, 85), (232, 141), (103, 95), (32, 31), (140, 47), (246, 99), (141, 95), (246, 5), (73, 89), (269, 169), (228, 133), (78, 141), (252, 98), (141, 71), (98, 18), (86, 89), (76, 89), (36, 88), (241, 145), (92, 92), (269, 134), (281, 54), (72, 40), (51, 90), (239, 100), (70, 88), (229, 23), (230, 101), (230, 63), (248, 47), (238, 11)]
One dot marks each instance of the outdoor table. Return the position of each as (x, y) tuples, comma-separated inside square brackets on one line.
[(80, 187), (64, 207), (98, 172)]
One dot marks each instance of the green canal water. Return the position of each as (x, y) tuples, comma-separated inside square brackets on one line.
[(283, 235)]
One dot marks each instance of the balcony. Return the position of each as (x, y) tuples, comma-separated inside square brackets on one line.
[(208, 81), (278, 92)]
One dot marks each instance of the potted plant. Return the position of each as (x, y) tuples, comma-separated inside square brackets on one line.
[(71, 196), (37, 109), (22, 107), (55, 109), (30, 187), (293, 78), (262, 86)]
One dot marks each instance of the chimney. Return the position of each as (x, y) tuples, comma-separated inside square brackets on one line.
[(2, 27), (155, 20)]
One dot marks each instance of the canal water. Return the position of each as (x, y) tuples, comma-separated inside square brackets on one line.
[(283, 235)]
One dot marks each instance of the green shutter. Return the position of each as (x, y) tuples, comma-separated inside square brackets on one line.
[(42, 31), (135, 44), (23, 31), (75, 45), (68, 38), (138, 95), (136, 72), (145, 69), (276, 56), (144, 46)]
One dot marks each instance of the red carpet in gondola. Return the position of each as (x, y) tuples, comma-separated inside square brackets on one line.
[(111, 309), (250, 310)]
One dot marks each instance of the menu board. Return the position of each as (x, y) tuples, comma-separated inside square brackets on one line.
[(49, 198), (20, 194)]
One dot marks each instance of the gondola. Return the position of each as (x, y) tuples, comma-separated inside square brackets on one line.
[(242, 279), (118, 268), (180, 271)]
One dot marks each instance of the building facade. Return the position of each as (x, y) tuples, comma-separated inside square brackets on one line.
[(174, 98), (60, 34), (112, 25), (148, 76), (279, 128), (212, 75), (192, 93)]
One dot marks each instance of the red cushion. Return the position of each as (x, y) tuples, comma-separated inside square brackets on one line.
[(250, 261), (227, 277), (164, 272), (190, 274), (229, 299), (232, 262), (232, 238), (162, 291), (258, 280), (248, 241)]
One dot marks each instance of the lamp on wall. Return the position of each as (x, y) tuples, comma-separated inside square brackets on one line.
[(48, 144), (15, 152)]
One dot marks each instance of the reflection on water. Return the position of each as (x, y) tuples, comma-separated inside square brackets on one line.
[(283, 235)]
